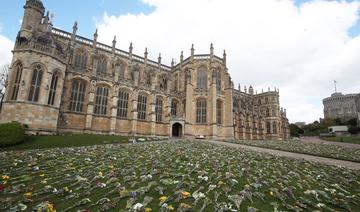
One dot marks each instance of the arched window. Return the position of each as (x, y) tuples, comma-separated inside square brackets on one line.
[(123, 104), (268, 112), (268, 127), (202, 78), (35, 84), (174, 106), (159, 109), (121, 70), (77, 96), (274, 128), (218, 81), (141, 107), (176, 83), (101, 65), (218, 112), (148, 79), (101, 100), (52, 91), (17, 79), (201, 111), (163, 83), (81, 60)]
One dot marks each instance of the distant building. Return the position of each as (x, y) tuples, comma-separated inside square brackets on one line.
[(300, 124), (341, 106)]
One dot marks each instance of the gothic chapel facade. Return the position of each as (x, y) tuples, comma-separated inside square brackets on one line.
[(60, 82)]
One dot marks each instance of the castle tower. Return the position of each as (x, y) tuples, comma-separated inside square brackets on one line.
[(33, 14), (36, 74)]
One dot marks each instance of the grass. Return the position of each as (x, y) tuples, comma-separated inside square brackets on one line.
[(41, 142), (117, 177), (344, 139)]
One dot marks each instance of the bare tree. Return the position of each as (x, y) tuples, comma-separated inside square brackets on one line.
[(4, 74)]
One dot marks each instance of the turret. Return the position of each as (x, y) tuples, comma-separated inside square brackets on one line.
[(33, 14), (251, 90)]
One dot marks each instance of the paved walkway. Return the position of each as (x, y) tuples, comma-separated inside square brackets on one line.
[(318, 140), (328, 161)]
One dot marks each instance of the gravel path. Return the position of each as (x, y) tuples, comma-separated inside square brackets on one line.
[(318, 140), (328, 161)]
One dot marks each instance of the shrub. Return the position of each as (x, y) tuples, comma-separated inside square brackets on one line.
[(11, 134)]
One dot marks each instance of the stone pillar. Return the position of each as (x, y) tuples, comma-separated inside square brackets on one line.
[(114, 105), (213, 108), (228, 109), (152, 113), (189, 108), (134, 112), (90, 107)]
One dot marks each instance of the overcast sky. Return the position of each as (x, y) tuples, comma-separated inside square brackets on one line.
[(301, 47)]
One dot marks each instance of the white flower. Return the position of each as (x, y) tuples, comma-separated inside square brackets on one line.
[(138, 206)]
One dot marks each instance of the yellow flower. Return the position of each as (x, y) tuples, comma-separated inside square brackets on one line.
[(271, 193), (221, 183), (100, 174), (28, 195), (185, 194), (148, 210), (42, 175), (170, 208), (162, 198), (66, 189), (50, 207), (5, 177)]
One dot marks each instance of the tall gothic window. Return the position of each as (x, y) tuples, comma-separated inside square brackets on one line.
[(77, 96), (52, 92), (101, 65), (101, 100), (148, 79), (35, 84), (141, 107), (17, 80), (268, 127), (176, 83), (121, 71), (174, 106), (274, 127), (218, 81), (202, 78), (81, 60), (218, 112), (123, 104), (158, 109), (201, 111)]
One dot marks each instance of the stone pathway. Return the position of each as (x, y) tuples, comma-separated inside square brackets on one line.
[(318, 140), (328, 161)]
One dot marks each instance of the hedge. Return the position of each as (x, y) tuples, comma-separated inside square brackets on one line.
[(11, 134)]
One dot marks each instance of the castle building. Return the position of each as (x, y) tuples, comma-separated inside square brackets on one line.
[(61, 82), (340, 106)]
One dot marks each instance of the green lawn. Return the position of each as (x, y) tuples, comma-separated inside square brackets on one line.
[(346, 139), (171, 176), (41, 142)]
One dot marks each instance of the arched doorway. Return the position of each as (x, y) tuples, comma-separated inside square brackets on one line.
[(177, 130)]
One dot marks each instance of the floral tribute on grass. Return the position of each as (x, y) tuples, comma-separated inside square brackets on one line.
[(171, 176), (316, 149)]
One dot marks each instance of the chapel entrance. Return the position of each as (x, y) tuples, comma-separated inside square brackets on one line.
[(177, 130)]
